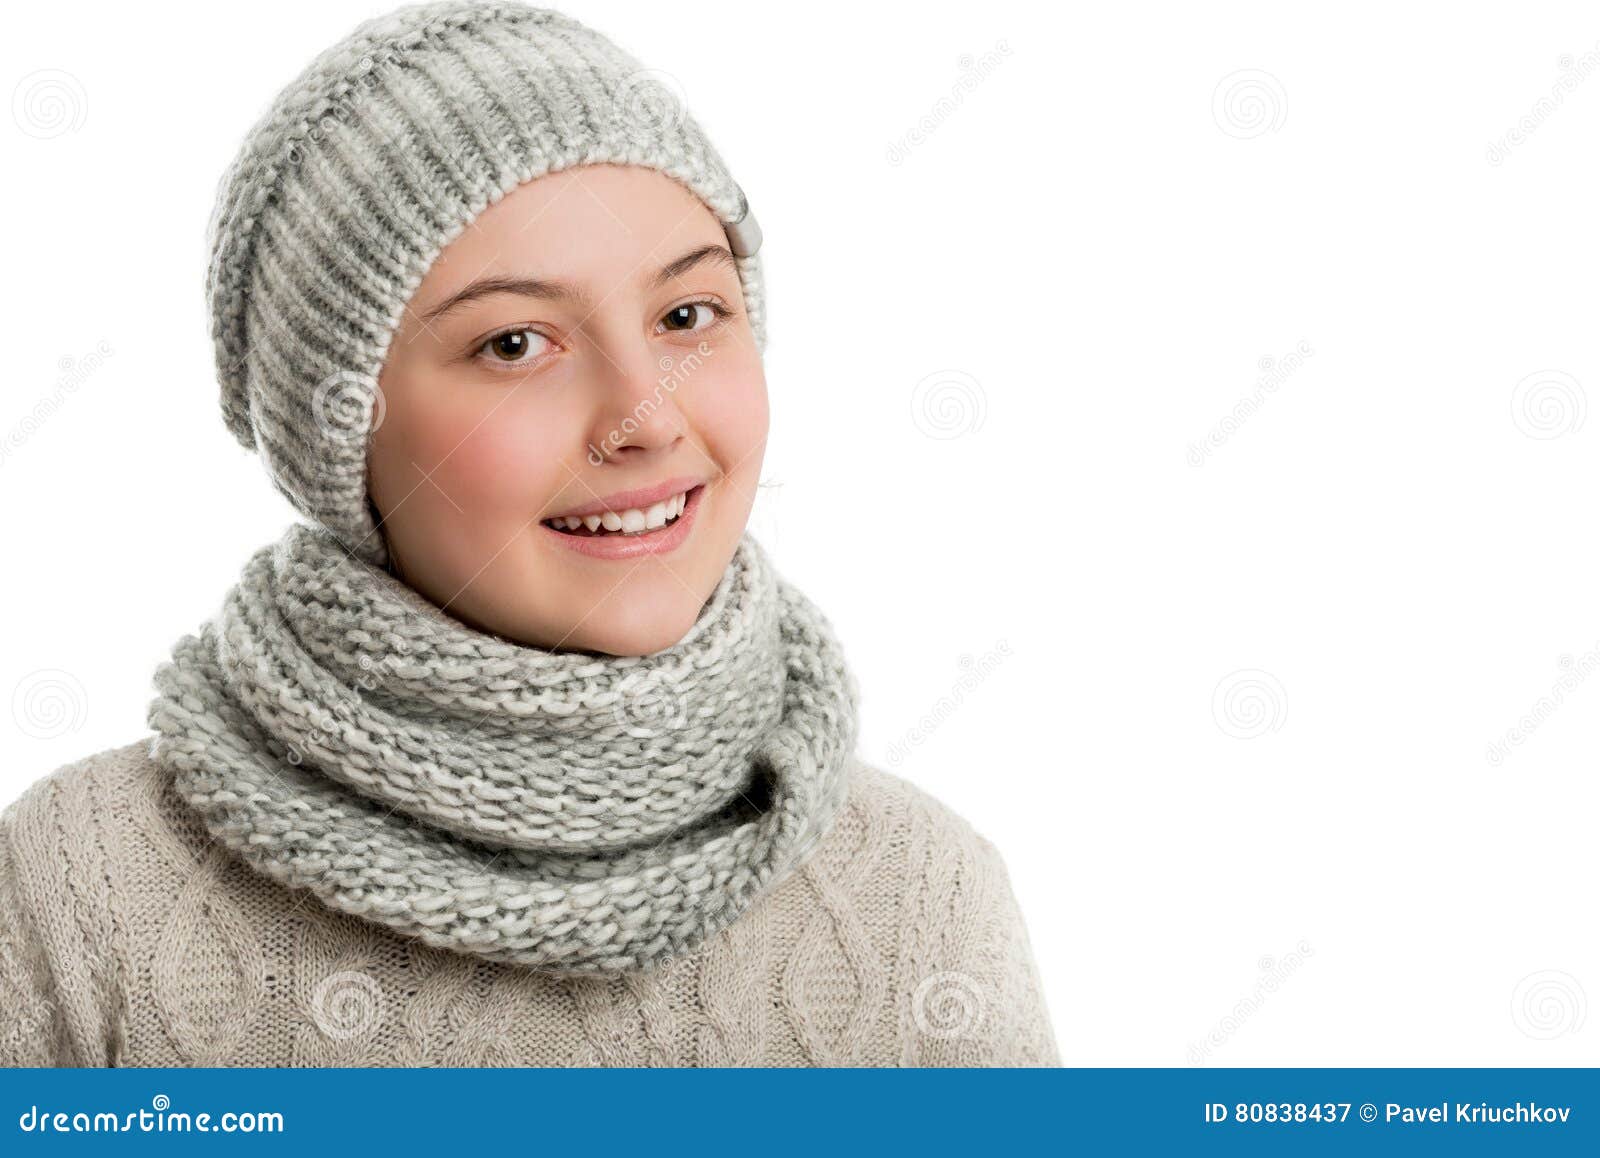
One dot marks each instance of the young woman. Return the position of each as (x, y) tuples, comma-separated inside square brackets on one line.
[(519, 751)]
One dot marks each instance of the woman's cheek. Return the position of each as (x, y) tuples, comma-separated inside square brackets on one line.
[(502, 456), (736, 417)]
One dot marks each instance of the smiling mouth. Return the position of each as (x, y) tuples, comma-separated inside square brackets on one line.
[(632, 522)]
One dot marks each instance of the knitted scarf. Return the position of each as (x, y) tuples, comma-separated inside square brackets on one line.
[(567, 811)]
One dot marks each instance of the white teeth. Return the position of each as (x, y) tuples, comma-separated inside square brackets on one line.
[(630, 521)]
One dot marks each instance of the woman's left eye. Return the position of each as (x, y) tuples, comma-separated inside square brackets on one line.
[(694, 316), (515, 347)]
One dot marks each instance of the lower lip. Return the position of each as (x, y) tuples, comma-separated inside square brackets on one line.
[(656, 542)]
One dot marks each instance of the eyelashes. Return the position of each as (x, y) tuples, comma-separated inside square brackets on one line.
[(719, 313), (516, 340), (489, 344)]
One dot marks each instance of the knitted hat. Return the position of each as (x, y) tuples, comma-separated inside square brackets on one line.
[(364, 168)]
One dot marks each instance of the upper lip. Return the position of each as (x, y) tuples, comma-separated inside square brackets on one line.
[(642, 498)]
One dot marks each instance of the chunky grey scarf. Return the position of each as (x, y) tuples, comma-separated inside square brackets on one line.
[(567, 811)]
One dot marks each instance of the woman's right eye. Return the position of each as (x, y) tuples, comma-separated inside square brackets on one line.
[(515, 347)]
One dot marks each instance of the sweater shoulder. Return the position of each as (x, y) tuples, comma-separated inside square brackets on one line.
[(908, 864), (88, 833), (84, 810), (91, 783), (969, 987), (915, 836), (889, 795), (61, 856)]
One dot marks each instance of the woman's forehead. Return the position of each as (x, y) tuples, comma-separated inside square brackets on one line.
[(595, 224)]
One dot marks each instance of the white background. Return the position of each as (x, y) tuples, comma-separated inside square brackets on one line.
[(993, 356)]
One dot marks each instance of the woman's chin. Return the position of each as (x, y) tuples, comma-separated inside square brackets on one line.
[(623, 642)]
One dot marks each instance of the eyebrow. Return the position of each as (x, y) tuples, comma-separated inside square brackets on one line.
[(554, 290)]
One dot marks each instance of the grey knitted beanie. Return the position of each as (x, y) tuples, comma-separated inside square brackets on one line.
[(364, 168)]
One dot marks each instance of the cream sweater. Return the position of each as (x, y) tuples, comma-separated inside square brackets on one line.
[(129, 938)]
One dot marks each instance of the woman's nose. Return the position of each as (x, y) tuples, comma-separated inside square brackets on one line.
[(638, 411)]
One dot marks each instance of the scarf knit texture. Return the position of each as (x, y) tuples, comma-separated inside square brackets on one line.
[(561, 810)]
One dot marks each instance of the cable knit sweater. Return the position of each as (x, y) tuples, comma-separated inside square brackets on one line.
[(129, 938)]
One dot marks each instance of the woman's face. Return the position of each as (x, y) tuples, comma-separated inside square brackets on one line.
[(579, 353)]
